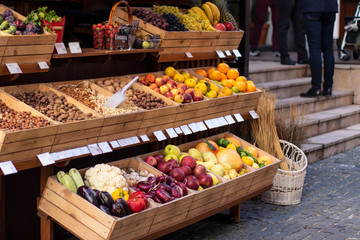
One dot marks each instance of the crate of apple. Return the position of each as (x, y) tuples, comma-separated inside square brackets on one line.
[(176, 91)]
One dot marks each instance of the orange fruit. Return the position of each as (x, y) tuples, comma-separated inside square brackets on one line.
[(170, 71), (227, 91), (232, 81), (223, 76), (205, 146), (241, 79), (234, 141), (221, 94), (264, 159), (251, 150), (226, 83), (223, 68), (215, 75), (202, 72), (232, 73), (250, 86), (241, 86), (247, 160), (209, 71)]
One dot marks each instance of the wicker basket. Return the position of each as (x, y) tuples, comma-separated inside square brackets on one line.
[(288, 185)]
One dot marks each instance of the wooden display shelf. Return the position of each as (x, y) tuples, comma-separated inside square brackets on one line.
[(25, 68), (196, 56)]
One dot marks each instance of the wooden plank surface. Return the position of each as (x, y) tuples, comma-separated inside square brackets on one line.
[(28, 50)]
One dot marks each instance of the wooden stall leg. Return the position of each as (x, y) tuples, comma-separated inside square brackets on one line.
[(46, 225), (2, 207), (235, 211)]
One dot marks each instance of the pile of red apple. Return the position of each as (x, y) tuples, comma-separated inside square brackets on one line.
[(193, 176), (171, 89), (228, 26)]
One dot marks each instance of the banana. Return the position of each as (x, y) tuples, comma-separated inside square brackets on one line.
[(200, 12), (191, 11), (208, 12), (215, 11)]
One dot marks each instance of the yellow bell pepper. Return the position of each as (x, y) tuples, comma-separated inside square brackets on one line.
[(120, 193)]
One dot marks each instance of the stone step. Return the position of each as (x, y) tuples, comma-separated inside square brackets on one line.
[(287, 88), (312, 105), (328, 144), (331, 120), (265, 71)]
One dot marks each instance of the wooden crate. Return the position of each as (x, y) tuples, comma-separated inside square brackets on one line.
[(229, 40), (85, 220), (27, 143), (175, 42), (25, 49)]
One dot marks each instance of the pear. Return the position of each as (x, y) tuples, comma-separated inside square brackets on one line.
[(215, 179), (217, 169), (193, 152), (207, 165), (209, 157)]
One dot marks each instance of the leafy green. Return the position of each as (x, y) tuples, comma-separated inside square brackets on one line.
[(41, 13)]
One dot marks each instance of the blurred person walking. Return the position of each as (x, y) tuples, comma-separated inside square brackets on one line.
[(261, 12), (289, 10), (319, 18)]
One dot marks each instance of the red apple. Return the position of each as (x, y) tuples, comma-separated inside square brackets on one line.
[(149, 78), (142, 80), (164, 89), (169, 86), (182, 85), (151, 161), (164, 167), (166, 78), (191, 92), (159, 158), (178, 174), (159, 81), (199, 170), (229, 26), (205, 180), (181, 89), (169, 95), (188, 161), (220, 26), (198, 96), (157, 90), (187, 97), (153, 86), (174, 163), (186, 169), (179, 98), (191, 182)]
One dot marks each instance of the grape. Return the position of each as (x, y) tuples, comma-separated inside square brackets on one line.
[(174, 22), (151, 17)]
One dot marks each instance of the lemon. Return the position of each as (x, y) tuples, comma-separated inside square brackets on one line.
[(201, 87), (255, 165), (190, 82), (235, 89), (179, 77), (214, 88), (211, 94), (247, 160), (185, 74), (232, 146)]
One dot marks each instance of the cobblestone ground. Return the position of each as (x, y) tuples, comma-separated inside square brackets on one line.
[(329, 209)]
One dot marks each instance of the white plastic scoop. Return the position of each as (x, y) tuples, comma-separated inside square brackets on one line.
[(119, 97)]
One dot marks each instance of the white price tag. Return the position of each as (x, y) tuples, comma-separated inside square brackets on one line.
[(229, 119), (77, 151), (238, 117), (189, 55), (144, 138), (122, 142), (228, 53), (201, 126), (114, 144), (253, 114), (13, 68), (135, 140), (160, 135), (105, 147), (94, 149), (216, 122), (55, 156), (85, 150), (237, 53), (186, 130), (75, 47), (194, 128), (223, 122), (60, 48), (43, 65), (171, 132), (129, 141), (178, 130), (8, 168), (61, 155), (220, 54), (45, 159), (69, 153), (209, 124)]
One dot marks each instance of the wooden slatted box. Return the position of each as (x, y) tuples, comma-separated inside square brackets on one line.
[(229, 40)]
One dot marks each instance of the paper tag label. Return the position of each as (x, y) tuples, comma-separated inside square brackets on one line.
[(75, 47), (171, 132), (77, 152), (237, 53), (223, 122), (220, 54), (228, 53), (129, 141), (229, 119), (186, 130), (69, 153), (201, 126), (189, 55), (105, 147), (209, 124), (8, 168), (13, 68), (43, 65), (144, 138), (135, 140), (60, 48), (178, 130), (194, 127), (238, 117), (55, 156), (122, 142), (45, 159), (94, 149), (114, 144), (160, 135), (253, 114), (85, 150), (216, 122)]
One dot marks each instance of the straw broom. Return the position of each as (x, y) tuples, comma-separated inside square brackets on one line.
[(264, 129)]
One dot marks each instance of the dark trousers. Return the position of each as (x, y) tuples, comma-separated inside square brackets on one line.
[(319, 30), (289, 10), (261, 12)]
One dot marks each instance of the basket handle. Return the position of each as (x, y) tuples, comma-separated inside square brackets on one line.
[(115, 6)]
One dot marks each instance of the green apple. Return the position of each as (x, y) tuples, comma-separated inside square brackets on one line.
[(209, 157), (182, 155), (172, 149), (170, 156), (217, 169), (215, 179), (193, 152)]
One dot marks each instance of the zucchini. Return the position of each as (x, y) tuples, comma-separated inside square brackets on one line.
[(69, 183), (74, 173), (59, 176)]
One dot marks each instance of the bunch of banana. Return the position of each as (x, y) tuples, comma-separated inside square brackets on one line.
[(199, 12), (212, 12)]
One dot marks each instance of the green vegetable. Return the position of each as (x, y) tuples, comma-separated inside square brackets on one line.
[(4, 25), (38, 15), (11, 30), (59, 176), (69, 183), (74, 173), (1, 19)]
